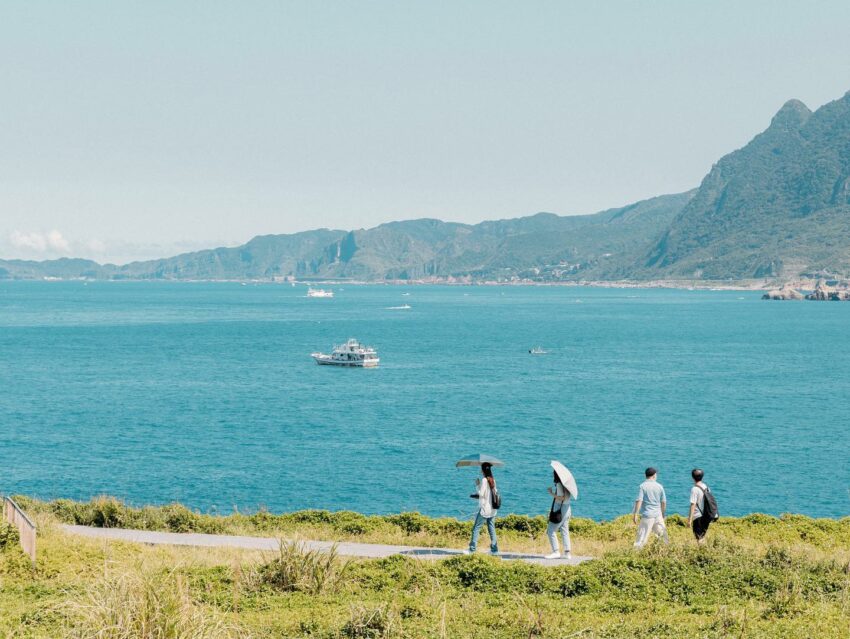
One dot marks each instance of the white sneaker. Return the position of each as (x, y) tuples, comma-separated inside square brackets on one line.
[(567, 555), (553, 555), (466, 552)]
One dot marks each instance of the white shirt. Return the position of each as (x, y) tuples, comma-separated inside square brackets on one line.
[(698, 497), (485, 506)]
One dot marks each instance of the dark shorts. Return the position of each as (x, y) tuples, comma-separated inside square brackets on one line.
[(700, 526)]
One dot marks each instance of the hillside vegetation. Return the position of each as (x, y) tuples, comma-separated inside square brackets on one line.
[(412, 249), (777, 208), (780, 206), (759, 576)]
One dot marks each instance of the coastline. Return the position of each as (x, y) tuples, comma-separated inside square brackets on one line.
[(702, 285)]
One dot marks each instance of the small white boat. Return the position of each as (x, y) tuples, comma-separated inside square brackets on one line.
[(403, 307), (405, 294), (352, 353), (319, 292), (537, 350)]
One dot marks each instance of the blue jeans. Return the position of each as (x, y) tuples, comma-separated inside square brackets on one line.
[(491, 529), (564, 528)]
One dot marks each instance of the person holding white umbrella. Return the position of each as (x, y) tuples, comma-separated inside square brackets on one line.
[(560, 512)]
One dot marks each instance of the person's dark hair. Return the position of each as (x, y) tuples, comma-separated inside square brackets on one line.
[(487, 470), (649, 472), (557, 479), (697, 474)]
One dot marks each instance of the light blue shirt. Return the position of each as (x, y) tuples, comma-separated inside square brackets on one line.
[(651, 494)]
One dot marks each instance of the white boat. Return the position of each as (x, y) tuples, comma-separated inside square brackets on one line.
[(352, 353), (319, 292), (403, 307), (537, 350)]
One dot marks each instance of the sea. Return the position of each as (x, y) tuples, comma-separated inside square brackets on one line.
[(205, 394)]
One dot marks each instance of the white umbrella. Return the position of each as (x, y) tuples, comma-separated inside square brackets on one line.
[(566, 478)]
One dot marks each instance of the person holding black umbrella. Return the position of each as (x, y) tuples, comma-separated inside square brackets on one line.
[(487, 509)]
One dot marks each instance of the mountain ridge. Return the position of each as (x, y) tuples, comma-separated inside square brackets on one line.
[(773, 208), (407, 249), (776, 208)]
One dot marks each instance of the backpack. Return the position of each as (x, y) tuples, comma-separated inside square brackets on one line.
[(495, 498), (709, 504)]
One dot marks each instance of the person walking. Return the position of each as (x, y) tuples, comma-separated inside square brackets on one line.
[(651, 505), (559, 519), (705, 513), (486, 510)]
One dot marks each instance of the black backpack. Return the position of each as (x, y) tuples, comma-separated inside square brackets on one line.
[(495, 497), (709, 504)]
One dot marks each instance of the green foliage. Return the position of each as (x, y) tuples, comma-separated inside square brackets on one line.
[(109, 512), (778, 207), (298, 569), (9, 536), (531, 526), (377, 622), (757, 576), (405, 250), (143, 605)]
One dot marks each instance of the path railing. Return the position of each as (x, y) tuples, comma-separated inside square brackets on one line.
[(26, 528)]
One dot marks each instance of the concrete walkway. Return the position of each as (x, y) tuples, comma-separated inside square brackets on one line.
[(344, 548)]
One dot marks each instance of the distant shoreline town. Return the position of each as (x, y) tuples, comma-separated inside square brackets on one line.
[(800, 289)]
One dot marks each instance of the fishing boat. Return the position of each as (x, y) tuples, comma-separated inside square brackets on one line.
[(537, 350), (319, 292), (352, 353)]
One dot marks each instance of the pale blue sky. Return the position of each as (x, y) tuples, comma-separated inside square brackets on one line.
[(136, 129)]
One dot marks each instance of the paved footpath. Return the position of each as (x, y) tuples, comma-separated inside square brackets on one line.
[(344, 548)]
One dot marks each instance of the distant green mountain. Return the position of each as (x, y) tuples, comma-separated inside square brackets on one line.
[(535, 246), (779, 207)]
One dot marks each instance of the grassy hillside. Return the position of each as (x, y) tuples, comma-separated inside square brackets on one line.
[(759, 576)]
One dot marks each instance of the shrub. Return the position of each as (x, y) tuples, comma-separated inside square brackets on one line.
[(451, 527), (380, 622), (9, 536), (532, 526), (105, 512), (298, 569), (136, 605), (315, 517), (351, 523), (410, 523)]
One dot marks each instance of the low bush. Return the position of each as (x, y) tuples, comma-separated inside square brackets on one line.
[(299, 569), (377, 622), (140, 605), (531, 526), (9, 536)]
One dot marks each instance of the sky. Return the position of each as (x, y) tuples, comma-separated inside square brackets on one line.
[(131, 130)]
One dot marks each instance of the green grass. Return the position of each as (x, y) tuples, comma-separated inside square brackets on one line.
[(758, 576)]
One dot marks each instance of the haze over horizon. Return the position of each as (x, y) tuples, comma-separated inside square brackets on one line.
[(146, 129)]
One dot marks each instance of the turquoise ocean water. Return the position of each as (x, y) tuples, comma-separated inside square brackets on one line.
[(206, 394)]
